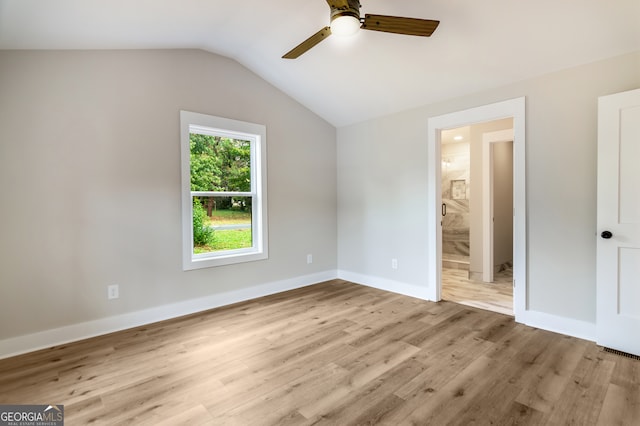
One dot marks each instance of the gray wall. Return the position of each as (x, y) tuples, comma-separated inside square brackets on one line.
[(386, 159), (502, 202), (90, 182)]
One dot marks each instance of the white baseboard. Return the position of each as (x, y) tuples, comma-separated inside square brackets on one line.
[(562, 325), (58, 336), (71, 333), (385, 284), (568, 326)]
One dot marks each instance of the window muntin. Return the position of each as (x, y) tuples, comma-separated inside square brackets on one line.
[(224, 202)]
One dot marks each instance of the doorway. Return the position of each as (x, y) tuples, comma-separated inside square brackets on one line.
[(478, 271), (456, 190), (514, 109)]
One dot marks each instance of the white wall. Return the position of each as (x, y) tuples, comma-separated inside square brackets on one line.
[(90, 184), (386, 160), (382, 202)]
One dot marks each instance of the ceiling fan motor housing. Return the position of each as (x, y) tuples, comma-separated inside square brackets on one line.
[(352, 9)]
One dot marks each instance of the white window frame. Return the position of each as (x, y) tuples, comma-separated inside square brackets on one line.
[(234, 129)]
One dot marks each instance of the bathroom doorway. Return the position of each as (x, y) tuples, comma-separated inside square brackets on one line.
[(456, 172), (506, 115), (478, 272)]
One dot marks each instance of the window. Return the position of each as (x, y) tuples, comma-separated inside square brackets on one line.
[(224, 204)]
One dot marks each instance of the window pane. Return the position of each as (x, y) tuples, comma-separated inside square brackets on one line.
[(221, 223), (220, 164)]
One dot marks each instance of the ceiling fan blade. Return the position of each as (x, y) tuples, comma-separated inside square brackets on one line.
[(397, 25), (308, 43)]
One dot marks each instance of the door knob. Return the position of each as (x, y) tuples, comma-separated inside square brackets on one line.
[(606, 235)]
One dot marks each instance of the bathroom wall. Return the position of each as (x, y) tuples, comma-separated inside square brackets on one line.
[(476, 226), (462, 194), (502, 205)]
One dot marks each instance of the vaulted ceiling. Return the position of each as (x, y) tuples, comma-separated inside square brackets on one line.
[(479, 45)]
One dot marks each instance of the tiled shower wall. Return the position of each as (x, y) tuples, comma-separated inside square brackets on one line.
[(456, 162)]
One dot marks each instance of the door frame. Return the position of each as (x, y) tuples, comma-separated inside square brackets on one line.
[(488, 139), (513, 108)]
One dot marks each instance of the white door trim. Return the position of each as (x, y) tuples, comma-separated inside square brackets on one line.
[(487, 198), (514, 108)]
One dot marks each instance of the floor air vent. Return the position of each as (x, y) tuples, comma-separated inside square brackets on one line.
[(616, 352)]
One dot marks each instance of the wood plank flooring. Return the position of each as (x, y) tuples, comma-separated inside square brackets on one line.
[(496, 296), (334, 353)]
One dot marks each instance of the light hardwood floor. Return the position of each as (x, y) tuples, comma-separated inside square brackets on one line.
[(496, 296), (335, 353)]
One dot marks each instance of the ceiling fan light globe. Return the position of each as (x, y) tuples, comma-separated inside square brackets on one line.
[(345, 25)]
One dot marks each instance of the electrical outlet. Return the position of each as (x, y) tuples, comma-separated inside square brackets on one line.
[(113, 291), (309, 259), (394, 263)]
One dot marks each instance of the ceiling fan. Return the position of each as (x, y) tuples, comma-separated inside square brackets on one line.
[(346, 20)]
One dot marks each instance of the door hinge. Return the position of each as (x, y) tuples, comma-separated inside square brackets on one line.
[(514, 283)]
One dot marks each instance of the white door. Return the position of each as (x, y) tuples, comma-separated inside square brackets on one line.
[(618, 247)]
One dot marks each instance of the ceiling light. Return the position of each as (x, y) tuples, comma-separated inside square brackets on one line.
[(457, 138), (345, 25)]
